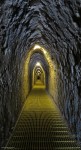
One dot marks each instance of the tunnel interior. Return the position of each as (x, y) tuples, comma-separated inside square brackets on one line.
[(38, 55), (38, 75), (37, 61), (45, 32)]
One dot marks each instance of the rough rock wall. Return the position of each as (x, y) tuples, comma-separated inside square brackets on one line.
[(56, 25)]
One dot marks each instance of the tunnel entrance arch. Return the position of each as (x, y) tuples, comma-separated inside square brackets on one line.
[(52, 79)]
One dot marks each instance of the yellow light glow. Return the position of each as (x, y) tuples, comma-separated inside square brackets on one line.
[(38, 71), (39, 47), (44, 52), (52, 78), (38, 64), (36, 47)]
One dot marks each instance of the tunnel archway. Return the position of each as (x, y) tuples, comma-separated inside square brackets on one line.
[(52, 77), (38, 75), (38, 57)]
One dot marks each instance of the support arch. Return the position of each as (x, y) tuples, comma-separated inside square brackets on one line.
[(53, 78), (38, 74)]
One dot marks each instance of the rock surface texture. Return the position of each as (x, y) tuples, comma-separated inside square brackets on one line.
[(56, 25)]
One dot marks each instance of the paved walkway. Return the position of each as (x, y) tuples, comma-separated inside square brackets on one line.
[(40, 126)]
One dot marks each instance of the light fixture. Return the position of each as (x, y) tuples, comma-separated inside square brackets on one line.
[(44, 51), (36, 47), (38, 64), (40, 47)]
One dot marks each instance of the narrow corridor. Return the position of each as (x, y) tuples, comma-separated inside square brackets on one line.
[(40, 125), (40, 74)]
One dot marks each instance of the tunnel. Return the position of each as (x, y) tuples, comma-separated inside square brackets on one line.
[(40, 74), (38, 53)]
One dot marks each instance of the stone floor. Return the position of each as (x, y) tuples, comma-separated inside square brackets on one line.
[(40, 126)]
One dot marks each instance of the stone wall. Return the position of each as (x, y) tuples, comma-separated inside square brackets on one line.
[(56, 25)]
